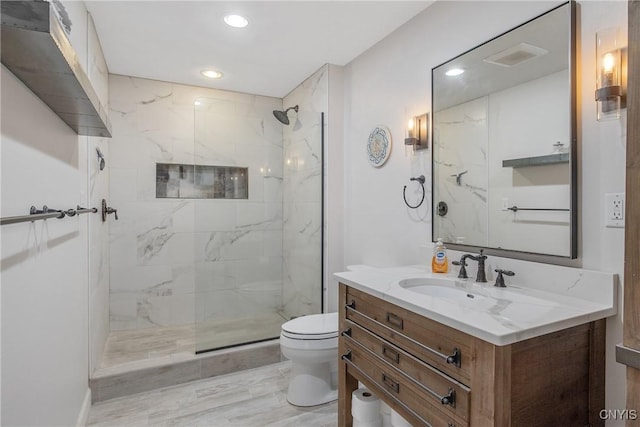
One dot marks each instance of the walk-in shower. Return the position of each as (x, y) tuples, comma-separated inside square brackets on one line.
[(219, 239)]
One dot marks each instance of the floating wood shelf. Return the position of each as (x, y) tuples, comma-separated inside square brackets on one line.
[(550, 159), (36, 49)]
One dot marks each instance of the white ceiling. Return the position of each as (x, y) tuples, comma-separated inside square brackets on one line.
[(284, 43)]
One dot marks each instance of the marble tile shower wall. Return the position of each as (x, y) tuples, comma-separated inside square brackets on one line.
[(176, 261), (239, 243), (464, 122), (302, 197)]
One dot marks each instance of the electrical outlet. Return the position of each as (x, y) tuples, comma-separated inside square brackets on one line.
[(614, 210)]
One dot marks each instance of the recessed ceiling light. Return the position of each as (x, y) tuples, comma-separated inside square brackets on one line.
[(454, 72), (212, 74), (236, 21)]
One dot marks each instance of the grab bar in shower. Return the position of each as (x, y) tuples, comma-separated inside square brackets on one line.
[(45, 213)]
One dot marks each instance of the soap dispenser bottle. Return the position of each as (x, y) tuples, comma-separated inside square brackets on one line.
[(439, 262)]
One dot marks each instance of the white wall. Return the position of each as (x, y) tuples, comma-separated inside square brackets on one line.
[(44, 268), (393, 78), (52, 272)]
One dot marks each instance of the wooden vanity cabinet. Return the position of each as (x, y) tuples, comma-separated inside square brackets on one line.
[(435, 375)]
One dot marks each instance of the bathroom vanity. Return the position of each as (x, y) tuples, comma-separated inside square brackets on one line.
[(444, 352)]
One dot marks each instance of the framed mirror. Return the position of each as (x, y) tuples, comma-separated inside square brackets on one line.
[(504, 141)]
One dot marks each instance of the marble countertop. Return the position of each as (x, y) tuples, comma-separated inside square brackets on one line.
[(501, 316)]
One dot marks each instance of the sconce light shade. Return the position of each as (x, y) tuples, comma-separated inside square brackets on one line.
[(609, 74), (418, 132)]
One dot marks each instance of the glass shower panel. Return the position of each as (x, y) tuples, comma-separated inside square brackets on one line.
[(244, 243), (303, 214)]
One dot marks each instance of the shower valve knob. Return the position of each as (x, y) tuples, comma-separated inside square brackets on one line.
[(110, 210), (106, 210)]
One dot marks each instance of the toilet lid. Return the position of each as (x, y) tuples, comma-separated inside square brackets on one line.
[(314, 326)]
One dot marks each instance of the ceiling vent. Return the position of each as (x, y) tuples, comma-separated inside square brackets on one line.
[(516, 55)]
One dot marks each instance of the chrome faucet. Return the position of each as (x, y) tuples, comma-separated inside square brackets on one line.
[(482, 275), (462, 263), (500, 278)]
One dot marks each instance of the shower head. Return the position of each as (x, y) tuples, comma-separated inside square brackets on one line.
[(282, 115)]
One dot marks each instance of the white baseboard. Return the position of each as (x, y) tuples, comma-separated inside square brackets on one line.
[(84, 410)]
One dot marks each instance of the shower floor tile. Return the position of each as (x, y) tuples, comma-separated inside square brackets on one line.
[(142, 348), (255, 397)]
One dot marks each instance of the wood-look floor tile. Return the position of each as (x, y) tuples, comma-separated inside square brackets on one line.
[(256, 397)]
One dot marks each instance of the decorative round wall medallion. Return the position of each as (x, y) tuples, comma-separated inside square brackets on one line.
[(379, 146)]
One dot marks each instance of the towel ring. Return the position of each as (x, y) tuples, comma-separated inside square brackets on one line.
[(421, 181)]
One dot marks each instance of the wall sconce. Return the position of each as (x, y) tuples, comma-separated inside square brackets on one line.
[(610, 74), (418, 132)]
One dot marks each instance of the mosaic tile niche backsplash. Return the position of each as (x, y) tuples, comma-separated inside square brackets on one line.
[(182, 181)]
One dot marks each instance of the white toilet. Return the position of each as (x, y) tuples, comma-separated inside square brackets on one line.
[(311, 343)]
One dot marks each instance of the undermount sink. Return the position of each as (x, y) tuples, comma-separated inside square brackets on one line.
[(443, 288), (502, 303)]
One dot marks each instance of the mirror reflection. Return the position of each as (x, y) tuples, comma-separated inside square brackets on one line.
[(503, 133)]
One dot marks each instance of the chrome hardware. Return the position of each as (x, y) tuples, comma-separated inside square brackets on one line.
[(449, 399), (500, 278), (463, 271), (346, 332), (101, 162), (458, 177), (46, 210), (420, 179), (481, 277), (454, 359), (107, 210), (45, 213), (442, 208)]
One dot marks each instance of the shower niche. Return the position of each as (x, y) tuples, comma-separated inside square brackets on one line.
[(180, 181)]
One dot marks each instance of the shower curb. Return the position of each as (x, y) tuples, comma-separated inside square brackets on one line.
[(204, 365)]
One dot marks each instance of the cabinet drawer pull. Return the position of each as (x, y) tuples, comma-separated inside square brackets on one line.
[(395, 320), (390, 354), (449, 399), (454, 359), (393, 385), (346, 332)]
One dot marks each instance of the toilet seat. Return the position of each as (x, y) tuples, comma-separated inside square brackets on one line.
[(313, 327)]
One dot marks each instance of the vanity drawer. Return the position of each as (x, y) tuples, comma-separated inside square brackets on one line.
[(435, 383), (440, 346), (387, 381)]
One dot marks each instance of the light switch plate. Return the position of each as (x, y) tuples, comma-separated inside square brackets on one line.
[(614, 210)]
